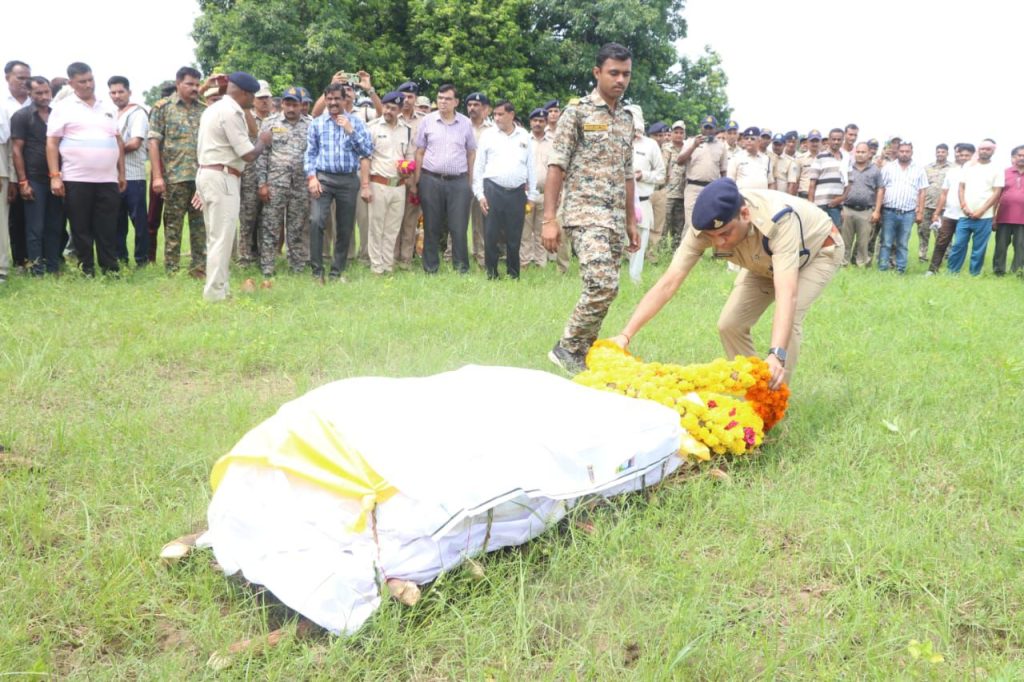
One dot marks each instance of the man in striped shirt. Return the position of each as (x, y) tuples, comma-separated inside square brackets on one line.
[(133, 124), (337, 158), (828, 178), (904, 183)]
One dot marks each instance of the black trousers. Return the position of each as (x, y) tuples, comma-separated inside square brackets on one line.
[(92, 209), (504, 220), (445, 201), (344, 191)]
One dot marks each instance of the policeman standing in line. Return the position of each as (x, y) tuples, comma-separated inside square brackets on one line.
[(706, 159), (223, 148), (788, 250), (282, 186)]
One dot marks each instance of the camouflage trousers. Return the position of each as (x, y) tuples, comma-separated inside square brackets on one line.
[(289, 200), (178, 204), (599, 250), (249, 217)]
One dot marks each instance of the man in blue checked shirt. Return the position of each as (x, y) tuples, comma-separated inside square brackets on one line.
[(337, 166)]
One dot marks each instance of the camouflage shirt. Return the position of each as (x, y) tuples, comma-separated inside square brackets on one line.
[(936, 174), (287, 150), (676, 173), (594, 146), (176, 126)]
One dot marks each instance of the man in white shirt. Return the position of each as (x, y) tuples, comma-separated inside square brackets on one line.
[(750, 169), (17, 74), (980, 186), (504, 178), (133, 124), (649, 171)]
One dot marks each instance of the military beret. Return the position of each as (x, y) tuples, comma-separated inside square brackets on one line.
[(393, 96), (538, 113), (717, 204), (752, 131), (657, 127), (293, 93), (779, 139), (409, 86), (732, 125), (679, 124), (709, 122), (766, 132), (244, 81), (551, 104), (814, 135), (478, 97)]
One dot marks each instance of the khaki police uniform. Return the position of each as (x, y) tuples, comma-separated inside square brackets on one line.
[(754, 289), (222, 141), (391, 144), (476, 214), (708, 162), (531, 251)]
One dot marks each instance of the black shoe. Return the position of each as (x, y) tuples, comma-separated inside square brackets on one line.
[(573, 363)]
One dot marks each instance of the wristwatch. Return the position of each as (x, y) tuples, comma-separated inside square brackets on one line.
[(778, 352)]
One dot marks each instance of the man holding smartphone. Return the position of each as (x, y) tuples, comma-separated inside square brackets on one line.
[(706, 159)]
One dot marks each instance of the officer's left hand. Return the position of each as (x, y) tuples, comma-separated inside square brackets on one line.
[(634, 237), (777, 370), (366, 194)]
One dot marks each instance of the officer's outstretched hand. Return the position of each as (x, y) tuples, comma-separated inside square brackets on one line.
[(620, 340), (777, 370)]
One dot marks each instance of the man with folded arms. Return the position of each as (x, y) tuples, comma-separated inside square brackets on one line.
[(337, 155), (504, 178), (223, 149), (85, 157), (392, 144)]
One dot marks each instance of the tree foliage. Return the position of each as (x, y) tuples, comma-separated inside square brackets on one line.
[(526, 51)]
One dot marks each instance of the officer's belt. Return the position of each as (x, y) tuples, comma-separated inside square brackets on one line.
[(857, 207), (699, 183), (221, 168), (384, 180)]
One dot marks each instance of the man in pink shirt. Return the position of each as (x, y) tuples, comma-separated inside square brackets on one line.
[(1010, 217), (85, 157)]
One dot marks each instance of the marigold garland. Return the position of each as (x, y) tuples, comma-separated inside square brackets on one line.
[(725, 406)]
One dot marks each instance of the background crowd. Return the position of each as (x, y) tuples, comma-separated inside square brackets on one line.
[(89, 176)]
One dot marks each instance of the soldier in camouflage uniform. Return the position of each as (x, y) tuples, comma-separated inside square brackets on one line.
[(936, 173), (173, 127), (592, 156), (249, 216), (675, 183), (282, 185)]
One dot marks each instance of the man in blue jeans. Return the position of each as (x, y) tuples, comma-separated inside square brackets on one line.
[(133, 124), (904, 183), (980, 188)]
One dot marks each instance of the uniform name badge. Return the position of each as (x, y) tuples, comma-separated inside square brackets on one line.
[(595, 127)]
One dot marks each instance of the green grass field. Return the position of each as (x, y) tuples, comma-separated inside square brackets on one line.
[(886, 508)]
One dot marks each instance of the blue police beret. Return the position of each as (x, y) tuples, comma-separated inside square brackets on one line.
[(393, 96), (752, 131), (409, 86), (709, 122), (538, 113), (292, 93), (792, 135), (244, 81), (478, 97), (655, 128), (717, 204), (732, 125), (551, 104)]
